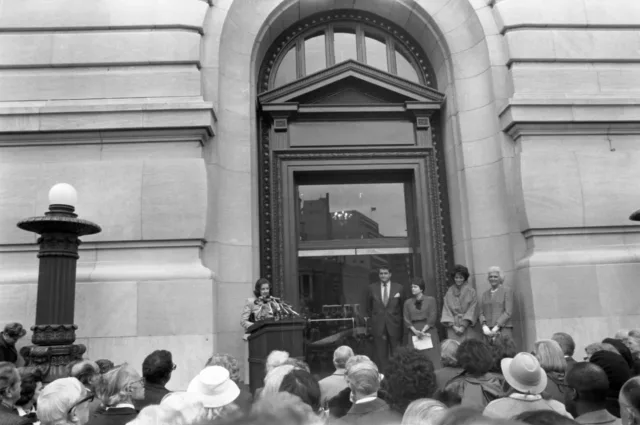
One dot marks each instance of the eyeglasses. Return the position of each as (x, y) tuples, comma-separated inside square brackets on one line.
[(88, 398), (174, 366)]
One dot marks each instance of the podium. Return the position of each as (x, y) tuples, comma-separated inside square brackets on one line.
[(268, 335)]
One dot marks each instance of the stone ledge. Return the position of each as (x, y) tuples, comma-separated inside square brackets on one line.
[(570, 116), (112, 115)]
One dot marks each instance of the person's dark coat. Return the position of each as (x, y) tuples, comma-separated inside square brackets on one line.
[(375, 412), (8, 352), (446, 374), (10, 416), (153, 395), (341, 403), (114, 416), (244, 401)]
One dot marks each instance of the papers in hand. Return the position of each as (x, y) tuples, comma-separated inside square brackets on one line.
[(423, 343)]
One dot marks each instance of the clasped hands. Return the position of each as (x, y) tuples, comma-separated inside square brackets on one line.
[(490, 332), (420, 334)]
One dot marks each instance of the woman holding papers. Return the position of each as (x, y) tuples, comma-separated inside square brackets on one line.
[(420, 315)]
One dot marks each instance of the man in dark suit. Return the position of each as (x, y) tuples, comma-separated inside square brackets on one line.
[(384, 307)]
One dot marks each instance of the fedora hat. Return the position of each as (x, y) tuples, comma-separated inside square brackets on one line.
[(524, 374), (214, 386)]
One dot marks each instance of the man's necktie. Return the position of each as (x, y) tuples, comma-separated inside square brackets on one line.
[(385, 297)]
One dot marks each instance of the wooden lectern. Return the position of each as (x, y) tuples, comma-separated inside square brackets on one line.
[(268, 335)]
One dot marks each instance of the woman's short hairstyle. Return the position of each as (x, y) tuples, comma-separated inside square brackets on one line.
[(301, 383), (550, 356), (105, 365), (543, 417), (419, 282), (57, 398), (157, 367), (502, 347), (591, 349), (159, 415), (258, 285), (85, 371), (461, 270), (228, 362), (111, 388), (496, 269), (274, 378), (28, 386), (424, 411), (409, 376), (475, 357), (274, 359), (189, 405), (448, 352), (9, 376)]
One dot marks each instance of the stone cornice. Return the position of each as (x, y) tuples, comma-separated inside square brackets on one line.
[(543, 117), (26, 117)]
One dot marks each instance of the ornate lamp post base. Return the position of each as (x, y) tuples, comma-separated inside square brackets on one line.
[(54, 350)]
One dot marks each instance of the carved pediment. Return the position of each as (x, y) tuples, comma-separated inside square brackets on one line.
[(351, 83)]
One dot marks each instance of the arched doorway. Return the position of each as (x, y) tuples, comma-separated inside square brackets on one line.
[(351, 172)]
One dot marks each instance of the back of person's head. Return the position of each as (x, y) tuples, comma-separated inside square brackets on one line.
[(566, 343), (448, 398), (157, 367), (460, 416), (158, 415), (273, 380), (616, 368), (113, 386), (543, 417), (86, 372), (228, 362), (630, 401), (60, 396), (358, 358), (275, 358), (105, 365), (621, 334), (302, 384), (189, 405), (589, 381), (341, 355), (423, 411), (475, 357), (9, 379), (502, 347), (448, 352), (282, 409), (622, 349), (297, 363), (364, 379), (593, 348), (550, 356), (31, 382), (635, 333), (409, 376)]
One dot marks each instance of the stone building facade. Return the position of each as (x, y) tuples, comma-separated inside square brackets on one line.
[(150, 109)]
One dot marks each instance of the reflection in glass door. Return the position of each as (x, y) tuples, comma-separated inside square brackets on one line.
[(346, 231)]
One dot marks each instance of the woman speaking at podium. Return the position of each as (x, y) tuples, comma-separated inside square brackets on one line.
[(253, 306)]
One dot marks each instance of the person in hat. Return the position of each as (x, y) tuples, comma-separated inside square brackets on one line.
[(10, 335), (527, 380), (217, 391), (618, 372)]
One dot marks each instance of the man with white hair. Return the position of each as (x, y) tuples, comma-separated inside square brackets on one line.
[(368, 409), (65, 401), (496, 306), (333, 384)]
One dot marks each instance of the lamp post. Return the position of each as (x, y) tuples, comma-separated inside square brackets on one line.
[(54, 330)]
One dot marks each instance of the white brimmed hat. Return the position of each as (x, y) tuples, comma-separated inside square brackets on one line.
[(214, 386), (524, 374)]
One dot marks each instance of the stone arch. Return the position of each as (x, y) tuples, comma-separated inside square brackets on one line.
[(453, 36)]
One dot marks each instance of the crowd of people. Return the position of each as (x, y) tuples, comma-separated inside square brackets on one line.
[(479, 382)]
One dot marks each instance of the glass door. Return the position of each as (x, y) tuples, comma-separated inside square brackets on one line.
[(348, 226)]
